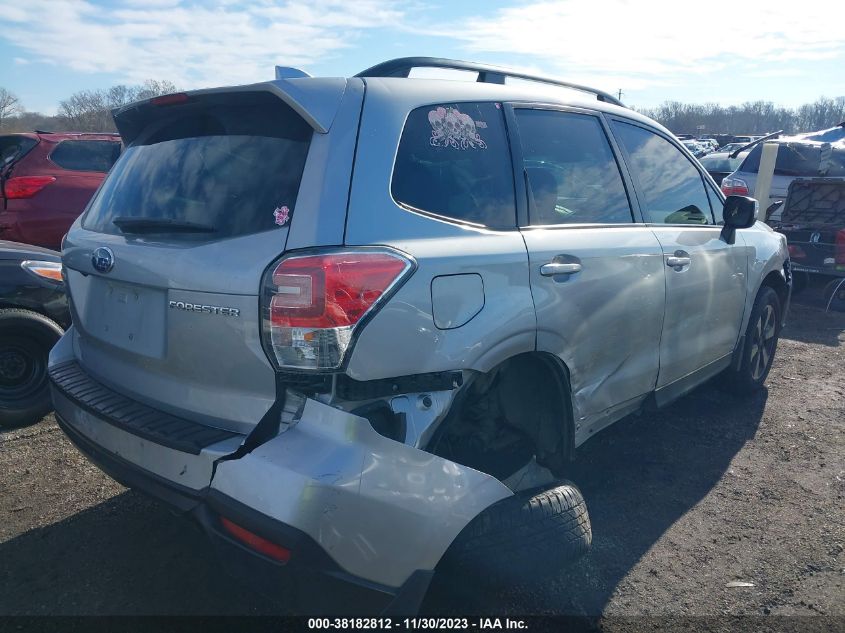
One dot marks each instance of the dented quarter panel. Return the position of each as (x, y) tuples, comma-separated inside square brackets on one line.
[(361, 496), (402, 338)]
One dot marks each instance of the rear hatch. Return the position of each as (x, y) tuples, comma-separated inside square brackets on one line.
[(813, 220), (165, 267)]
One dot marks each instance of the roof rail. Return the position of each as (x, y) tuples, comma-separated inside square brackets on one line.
[(402, 66)]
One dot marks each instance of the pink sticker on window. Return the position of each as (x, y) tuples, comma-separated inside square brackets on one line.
[(452, 128), (282, 215)]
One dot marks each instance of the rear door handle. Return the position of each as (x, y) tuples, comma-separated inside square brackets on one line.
[(559, 268)]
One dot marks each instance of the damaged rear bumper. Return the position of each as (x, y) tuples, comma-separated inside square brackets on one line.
[(366, 518)]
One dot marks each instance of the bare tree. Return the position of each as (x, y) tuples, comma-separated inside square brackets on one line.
[(753, 117), (10, 105)]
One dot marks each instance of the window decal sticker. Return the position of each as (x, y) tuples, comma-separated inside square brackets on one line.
[(452, 128), (282, 215)]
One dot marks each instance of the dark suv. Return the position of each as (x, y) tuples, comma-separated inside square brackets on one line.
[(46, 179)]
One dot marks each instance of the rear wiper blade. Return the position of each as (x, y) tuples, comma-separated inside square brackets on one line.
[(160, 225)]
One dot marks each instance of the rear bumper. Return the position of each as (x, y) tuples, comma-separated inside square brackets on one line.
[(354, 507), (311, 582)]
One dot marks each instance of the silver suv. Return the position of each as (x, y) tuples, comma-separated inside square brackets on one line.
[(357, 327)]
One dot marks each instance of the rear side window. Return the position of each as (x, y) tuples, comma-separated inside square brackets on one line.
[(571, 170), (454, 161), (207, 170), (14, 147), (86, 155), (671, 188)]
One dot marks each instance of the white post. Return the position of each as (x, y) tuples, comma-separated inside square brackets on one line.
[(764, 175)]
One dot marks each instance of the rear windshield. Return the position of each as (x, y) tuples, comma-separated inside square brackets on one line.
[(230, 167), (794, 159), (14, 147), (86, 155), (454, 161)]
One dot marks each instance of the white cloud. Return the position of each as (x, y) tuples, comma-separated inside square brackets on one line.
[(638, 44), (214, 43)]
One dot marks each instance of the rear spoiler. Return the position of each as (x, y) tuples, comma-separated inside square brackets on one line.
[(762, 139), (316, 100)]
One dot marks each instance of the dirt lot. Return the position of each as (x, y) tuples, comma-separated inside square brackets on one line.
[(711, 490)]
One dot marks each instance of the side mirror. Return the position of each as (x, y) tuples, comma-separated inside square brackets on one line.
[(739, 212)]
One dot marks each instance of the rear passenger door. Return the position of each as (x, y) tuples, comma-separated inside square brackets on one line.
[(705, 276), (596, 273)]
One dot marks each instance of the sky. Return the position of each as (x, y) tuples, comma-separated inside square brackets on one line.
[(724, 51)]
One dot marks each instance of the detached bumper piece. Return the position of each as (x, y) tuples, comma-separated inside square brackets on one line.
[(280, 561)]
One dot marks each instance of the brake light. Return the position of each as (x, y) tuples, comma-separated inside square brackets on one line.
[(171, 99), (312, 303), (840, 250), (796, 252), (26, 186), (253, 541), (734, 187)]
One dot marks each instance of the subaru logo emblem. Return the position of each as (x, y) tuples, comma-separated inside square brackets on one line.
[(103, 259)]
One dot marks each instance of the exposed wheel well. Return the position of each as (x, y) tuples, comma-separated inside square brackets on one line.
[(521, 408)]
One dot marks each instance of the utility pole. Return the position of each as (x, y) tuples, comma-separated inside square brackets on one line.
[(620, 94)]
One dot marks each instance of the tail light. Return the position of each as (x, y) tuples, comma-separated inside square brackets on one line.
[(312, 304), (734, 187), (26, 186), (796, 252), (839, 256)]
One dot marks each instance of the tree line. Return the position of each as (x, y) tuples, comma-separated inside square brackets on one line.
[(752, 117), (83, 111), (90, 111)]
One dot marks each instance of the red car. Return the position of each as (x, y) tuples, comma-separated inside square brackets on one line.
[(46, 179)]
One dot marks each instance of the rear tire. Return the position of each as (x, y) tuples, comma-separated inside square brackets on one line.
[(26, 338), (533, 534), (761, 339)]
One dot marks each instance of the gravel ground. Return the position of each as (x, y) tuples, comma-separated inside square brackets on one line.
[(711, 490)]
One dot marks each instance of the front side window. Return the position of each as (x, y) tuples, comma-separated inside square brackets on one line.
[(454, 161), (86, 155), (671, 188), (572, 174)]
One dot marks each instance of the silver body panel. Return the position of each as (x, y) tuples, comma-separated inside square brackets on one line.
[(625, 327), (381, 509)]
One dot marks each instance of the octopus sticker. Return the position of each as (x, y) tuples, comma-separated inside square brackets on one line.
[(281, 215), (452, 128)]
